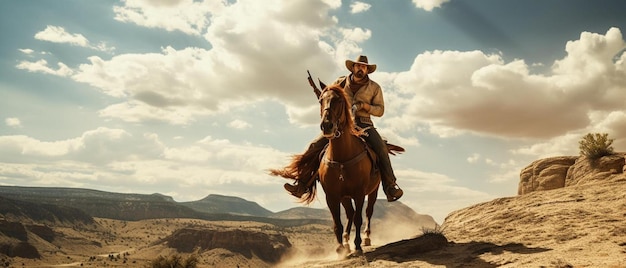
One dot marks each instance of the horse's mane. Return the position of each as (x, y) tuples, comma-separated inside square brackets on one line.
[(347, 109)]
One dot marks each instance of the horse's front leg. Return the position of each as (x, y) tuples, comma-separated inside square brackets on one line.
[(347, 206), (358, 221), (335, 211)]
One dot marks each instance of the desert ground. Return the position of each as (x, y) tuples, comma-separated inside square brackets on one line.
[(574, 226)]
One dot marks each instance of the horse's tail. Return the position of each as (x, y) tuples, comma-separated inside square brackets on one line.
[(303, 168), (311, 192), (290, 171), (394, 149)]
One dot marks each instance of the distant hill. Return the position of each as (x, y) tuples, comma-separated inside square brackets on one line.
[(29, 212), (303, 213), (135, 207), (103, 204), (217, 204)]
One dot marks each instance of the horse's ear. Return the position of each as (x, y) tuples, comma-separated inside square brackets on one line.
[(322, 85)]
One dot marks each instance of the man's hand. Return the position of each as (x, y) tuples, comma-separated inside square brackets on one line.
[(361, 106)]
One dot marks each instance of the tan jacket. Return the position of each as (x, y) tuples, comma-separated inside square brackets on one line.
[(371, 93)]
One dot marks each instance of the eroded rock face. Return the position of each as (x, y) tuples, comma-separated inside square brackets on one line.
[(269, 248), (15, 242), (13, 229), (585, 171), (562, 171), (545, 174)]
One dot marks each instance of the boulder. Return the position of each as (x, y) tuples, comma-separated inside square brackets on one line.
[(545, 174), (585, 170), (563, 171)]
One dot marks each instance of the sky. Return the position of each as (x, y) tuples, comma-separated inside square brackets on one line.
[(190, 98)]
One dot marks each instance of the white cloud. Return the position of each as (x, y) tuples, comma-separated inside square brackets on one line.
[(488, 96), (357, 35), (239, 124), (42, 67), (188, 16), (358, 7), (561, 145), (26, 51), (13, 122), (24, 146), (196, 81), (612, 123), (136, 111), (58, 34), (124, 162), (429, 5), (473, 158)]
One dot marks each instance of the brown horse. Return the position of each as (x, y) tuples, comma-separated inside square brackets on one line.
[(345, 171)]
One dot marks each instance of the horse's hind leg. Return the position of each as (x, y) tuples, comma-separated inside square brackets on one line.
[(369, 211), (347, 206)]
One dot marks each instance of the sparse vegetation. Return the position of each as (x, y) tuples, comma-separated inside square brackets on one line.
[(437, 230), (596, 145), (175, 261)]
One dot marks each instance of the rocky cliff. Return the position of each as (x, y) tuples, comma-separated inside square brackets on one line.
[(268, 247), (564, 171)]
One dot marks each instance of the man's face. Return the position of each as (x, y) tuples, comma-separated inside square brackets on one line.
[(359, 70)]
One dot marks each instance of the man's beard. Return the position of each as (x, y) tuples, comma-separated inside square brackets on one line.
[(359, 74)]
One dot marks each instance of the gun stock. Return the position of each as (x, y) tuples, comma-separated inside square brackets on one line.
[(312, 83)]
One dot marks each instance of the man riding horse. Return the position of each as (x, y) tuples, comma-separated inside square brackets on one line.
[(367, 99)]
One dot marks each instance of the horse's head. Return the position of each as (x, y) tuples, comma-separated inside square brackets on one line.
[(334, 111)]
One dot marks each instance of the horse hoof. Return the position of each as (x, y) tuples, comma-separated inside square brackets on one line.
[(356, 254), (367, 242), (342, 251)]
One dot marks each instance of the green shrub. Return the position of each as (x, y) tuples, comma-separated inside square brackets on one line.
[(596, 145), (175, 261)]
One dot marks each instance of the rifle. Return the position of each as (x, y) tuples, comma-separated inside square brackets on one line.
[(315, 89)]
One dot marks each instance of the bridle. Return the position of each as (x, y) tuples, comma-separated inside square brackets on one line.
[(336, 120)]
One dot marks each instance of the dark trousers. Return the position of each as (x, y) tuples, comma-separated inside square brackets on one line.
[(376, 142)]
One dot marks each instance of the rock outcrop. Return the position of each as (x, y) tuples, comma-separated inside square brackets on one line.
[(267, 247), (545, 174), (586, 171), (563, 171), (14, 241)]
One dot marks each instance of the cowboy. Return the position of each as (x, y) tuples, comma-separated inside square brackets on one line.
[(367, 99)]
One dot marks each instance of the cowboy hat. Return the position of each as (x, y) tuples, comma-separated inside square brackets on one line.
[(362, 60)]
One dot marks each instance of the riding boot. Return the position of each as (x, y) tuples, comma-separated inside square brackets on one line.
[(388, 178), (310, 163)]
